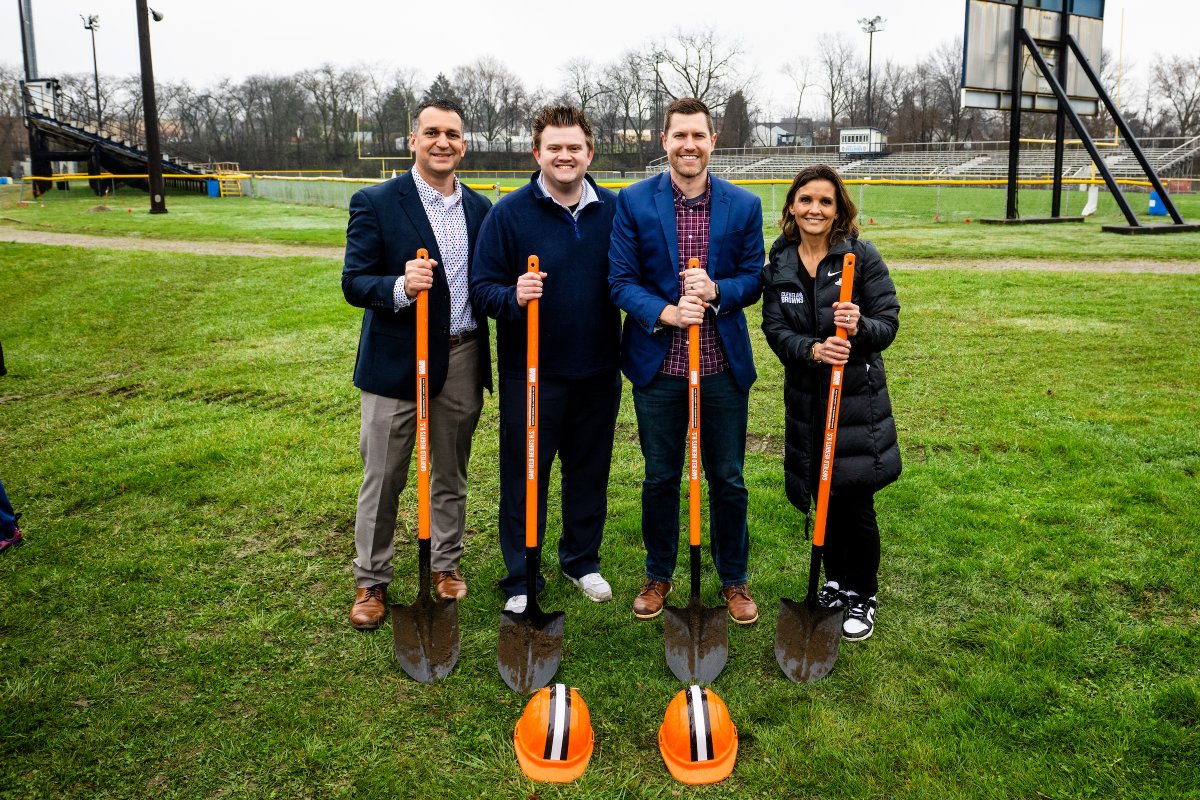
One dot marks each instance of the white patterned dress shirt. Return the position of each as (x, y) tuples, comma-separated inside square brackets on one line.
[(449, 224)]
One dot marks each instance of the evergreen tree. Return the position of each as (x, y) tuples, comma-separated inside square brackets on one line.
[(735, 125), (441, 89)]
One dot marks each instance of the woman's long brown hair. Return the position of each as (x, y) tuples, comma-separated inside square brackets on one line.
[(845, 222)]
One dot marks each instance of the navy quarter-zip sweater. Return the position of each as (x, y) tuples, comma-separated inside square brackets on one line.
[(580, 325)]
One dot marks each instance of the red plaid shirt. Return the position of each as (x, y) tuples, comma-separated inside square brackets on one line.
[(691, 229)]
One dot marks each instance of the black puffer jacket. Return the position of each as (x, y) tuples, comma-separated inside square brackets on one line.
[(867, 457)]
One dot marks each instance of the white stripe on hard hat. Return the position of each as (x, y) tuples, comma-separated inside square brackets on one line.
[(699, 723), (558, 723)]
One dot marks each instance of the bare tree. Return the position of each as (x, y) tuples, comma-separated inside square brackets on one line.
[(12, 132), (77, 93), (486, 86), (891, 83), (389, 101), (798, 72), (628, 101), (334, 93), (287, 114), (943, 69), (583, 83), (701, 64), (1176, 79), (836, 65)]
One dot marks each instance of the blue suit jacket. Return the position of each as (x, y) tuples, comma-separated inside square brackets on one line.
[(387, 226), (644, 271)]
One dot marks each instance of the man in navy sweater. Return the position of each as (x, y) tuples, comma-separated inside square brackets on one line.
[(565, 219)]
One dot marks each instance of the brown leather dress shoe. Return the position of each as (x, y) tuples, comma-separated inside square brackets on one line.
[(370, 604), (450, 585), (742, 608), (649, 602)]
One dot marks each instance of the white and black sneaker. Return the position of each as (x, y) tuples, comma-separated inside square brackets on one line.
[(860, 617), (831, 596)]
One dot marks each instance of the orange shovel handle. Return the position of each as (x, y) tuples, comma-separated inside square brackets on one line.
[(423, 409), (694, 428), (531, 422), (831, 414)]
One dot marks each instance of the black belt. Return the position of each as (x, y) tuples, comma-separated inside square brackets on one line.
[(463, 338)]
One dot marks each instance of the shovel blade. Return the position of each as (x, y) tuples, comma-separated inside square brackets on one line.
[(426, 638), (806, 640), (697, 641), (529, 648)]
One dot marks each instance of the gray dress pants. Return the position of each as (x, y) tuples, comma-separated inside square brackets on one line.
[(386, 439)]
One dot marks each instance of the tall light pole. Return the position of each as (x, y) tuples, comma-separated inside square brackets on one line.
[(870, 27), (91, 23), (158, 192), (29, 51)]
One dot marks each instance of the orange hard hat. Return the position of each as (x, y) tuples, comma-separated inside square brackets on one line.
[(697, 739), (554, 737)]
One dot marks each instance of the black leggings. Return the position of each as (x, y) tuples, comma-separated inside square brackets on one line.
[(852, 542)]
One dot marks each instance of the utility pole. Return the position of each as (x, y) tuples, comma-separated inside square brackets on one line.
[(870, 27), (91, 23), (158, 192), (1016, 73), (28, 50)]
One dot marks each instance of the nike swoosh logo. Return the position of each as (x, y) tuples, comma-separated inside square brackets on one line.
[(833, 274)]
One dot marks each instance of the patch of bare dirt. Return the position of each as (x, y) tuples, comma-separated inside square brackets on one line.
[(1125, 265), (260, 250), (253, 249)]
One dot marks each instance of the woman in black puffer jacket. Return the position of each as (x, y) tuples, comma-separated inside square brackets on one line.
[(800, 314)]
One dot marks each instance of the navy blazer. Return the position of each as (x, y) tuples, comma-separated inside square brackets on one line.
[(644, 271), (387, 226)]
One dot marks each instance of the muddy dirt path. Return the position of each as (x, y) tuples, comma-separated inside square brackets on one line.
[(258, 250)]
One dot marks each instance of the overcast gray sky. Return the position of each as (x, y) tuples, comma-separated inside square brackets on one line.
[(204, 40)]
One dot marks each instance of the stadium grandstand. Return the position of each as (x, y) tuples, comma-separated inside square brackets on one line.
[(1170, 158)]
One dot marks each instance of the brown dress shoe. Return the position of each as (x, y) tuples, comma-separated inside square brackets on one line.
[(370, 604), (742, 609), (451, 586), (649, 602)]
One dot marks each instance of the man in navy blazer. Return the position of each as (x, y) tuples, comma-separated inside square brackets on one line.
[(427, 208), (660, 224)]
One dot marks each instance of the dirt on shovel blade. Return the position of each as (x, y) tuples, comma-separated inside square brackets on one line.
[(806, 640), (697, 641), (426, 638), (529, 650)]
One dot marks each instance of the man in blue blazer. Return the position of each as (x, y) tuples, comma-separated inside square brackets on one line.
[(428, 208), (660, 224)]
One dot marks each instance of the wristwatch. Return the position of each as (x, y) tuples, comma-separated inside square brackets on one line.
[(812, 353), (716, 294)]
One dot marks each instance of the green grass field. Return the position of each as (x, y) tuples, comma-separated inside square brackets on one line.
[(181, 434), (900, 219)]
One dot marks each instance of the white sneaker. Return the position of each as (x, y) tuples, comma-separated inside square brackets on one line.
[(516, 604), (860, 617), (594, 586)]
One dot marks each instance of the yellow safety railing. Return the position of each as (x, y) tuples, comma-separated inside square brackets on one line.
[(75, 176), (104, 176)]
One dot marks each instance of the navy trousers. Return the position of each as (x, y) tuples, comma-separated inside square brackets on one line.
[(8, 517), (576, 422), (662, 413)]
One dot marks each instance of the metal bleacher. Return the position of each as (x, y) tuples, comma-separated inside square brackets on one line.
[(105, 149), (910, 162)]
